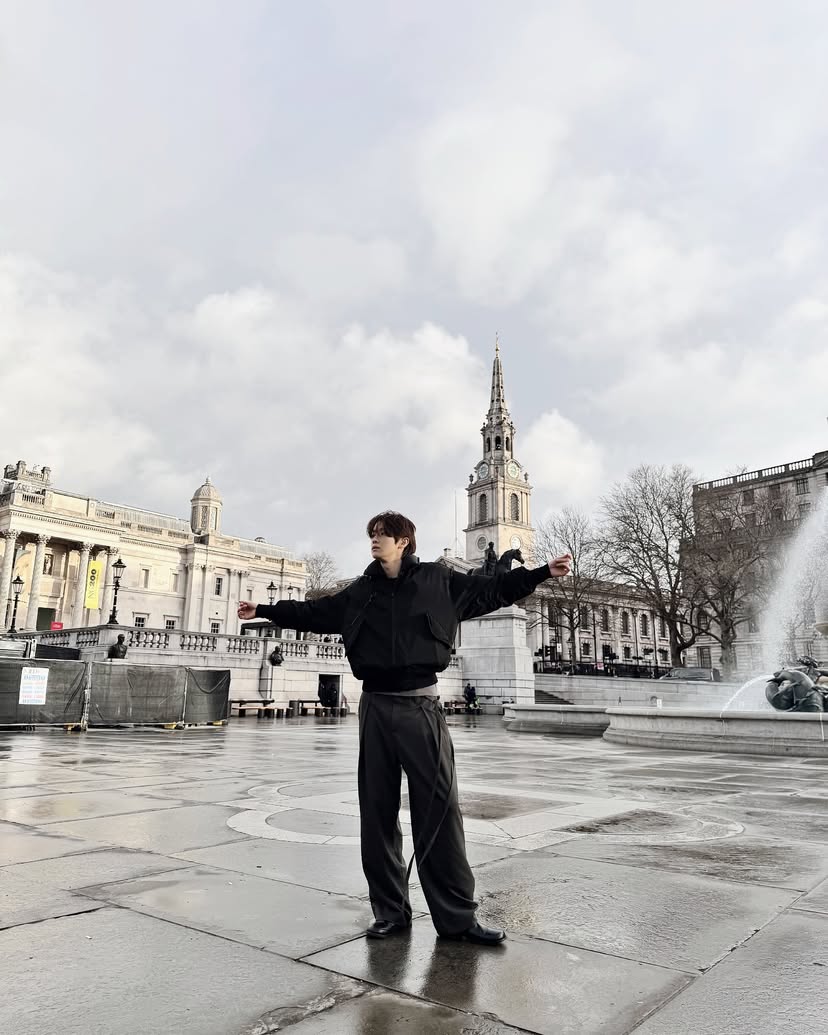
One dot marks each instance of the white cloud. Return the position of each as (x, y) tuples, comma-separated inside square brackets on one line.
[(564, 464)]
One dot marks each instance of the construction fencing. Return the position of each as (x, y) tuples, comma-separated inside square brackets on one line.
[(80, 694)]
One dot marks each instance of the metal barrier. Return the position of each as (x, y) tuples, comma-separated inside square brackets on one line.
[(81, 694)]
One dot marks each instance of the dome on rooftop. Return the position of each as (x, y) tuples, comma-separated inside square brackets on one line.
[(207, 491)]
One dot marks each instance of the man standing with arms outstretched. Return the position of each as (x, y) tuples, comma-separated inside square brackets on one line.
[(398, 623)]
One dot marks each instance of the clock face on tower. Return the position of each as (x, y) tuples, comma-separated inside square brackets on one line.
[(483, 471), (515, 542), (513, 470)]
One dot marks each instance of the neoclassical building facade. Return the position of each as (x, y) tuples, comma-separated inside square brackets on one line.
[(179, 574)]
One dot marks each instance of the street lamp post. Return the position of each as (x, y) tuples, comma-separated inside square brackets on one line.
[(272, 589), (17, 589), (290, 590), (118, 569)]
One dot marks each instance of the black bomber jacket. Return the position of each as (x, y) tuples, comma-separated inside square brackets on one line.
[(398, 633)]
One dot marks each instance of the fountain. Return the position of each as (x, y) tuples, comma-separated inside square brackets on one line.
[(779, 711)]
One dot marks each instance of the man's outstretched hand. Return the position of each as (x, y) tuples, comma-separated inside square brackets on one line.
[(560, 566), (246, 610)]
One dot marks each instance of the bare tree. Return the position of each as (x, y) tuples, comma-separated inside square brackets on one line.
[(570, 532), (322, 574), (726, 560), (646, 519)]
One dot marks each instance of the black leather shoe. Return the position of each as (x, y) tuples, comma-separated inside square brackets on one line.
[(385, 928), (479, 934)]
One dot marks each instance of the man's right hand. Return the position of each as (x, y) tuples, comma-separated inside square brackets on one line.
[(246, 610)]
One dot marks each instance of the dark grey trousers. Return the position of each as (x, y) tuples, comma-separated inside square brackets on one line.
[(410, 734)]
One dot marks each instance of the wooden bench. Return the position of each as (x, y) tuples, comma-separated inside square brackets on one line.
[(303, 704), (264, 708)]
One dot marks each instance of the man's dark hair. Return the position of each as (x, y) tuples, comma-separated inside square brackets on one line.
[(396, 525)]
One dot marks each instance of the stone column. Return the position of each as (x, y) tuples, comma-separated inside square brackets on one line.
[(103, 615), (109, 585), (34, 589), (229, 626), (205, 595), (80, 587), (6, 573), (187, 617)]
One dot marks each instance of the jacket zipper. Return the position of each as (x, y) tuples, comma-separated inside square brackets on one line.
[(393, 628)]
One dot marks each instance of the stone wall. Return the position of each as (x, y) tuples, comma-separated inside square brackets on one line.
[(604, 691)]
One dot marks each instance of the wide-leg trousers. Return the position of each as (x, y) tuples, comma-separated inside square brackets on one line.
[(409, 734)]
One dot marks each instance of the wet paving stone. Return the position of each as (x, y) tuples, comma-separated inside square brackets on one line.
[(382, 1013), (535, 985), (753, 860), (816, 900), (673, 920), (22, 844), (282, 918), (80, 871), (59, 808), (171, 830), (24, 902), (783, 824), (118, 972), (496, 806), (776, 984)]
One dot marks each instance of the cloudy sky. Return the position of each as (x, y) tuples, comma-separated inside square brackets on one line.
[(273, 242)]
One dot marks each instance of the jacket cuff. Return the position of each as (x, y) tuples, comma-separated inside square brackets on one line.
[(539, 575)]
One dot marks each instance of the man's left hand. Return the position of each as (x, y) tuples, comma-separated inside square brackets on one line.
[(560, 566)]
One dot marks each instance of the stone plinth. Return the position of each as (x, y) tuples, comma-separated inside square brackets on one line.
[(495, 657)]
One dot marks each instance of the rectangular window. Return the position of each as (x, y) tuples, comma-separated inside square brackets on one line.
[(703, 654), (141, 621), (169, 623), (174, 582), (804, 509), (775, 492), (662, 628), (605, 620), (627, 653), (219, 586), (215, 628), (801, 486), (145, 574), (747, 496), (586, 649), (753, 624), (750, 520)]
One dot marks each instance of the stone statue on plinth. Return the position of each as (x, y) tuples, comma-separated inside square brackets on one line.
[(118, 650)]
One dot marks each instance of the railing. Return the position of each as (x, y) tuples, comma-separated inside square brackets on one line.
[(154, 638), (199, 641), (750, 476), (244, 644), (55, 639), (39, 501), (88, 638)]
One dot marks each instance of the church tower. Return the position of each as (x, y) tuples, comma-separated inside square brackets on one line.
[(499, 491)]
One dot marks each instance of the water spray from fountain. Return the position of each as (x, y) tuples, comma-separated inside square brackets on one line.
[(797, 608)]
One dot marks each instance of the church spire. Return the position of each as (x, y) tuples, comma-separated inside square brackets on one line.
[(498, 411)]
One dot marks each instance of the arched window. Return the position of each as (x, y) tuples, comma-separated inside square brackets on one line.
[(625, 623), (583, 616), (645, 625), (482, 508), (605, 620), (497, 442), (514, 507), (488, 445)]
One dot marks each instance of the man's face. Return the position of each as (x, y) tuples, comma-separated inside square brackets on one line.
[(385, 547)]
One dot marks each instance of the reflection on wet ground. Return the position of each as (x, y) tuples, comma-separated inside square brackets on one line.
[(643, 892)]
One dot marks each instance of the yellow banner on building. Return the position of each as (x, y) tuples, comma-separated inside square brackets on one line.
[(94, 575)]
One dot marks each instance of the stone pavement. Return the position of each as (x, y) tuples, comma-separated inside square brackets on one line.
[(208, 882)]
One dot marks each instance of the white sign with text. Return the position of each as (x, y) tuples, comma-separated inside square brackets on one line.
[(33, 685)]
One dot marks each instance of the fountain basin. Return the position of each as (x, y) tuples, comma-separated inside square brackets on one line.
[(803, 734), (566, 719)]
